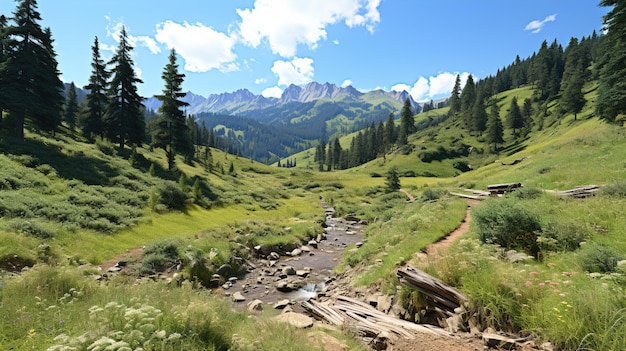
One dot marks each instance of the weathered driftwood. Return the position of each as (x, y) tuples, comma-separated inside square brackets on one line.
[(443, 296), (366, 320), (468, 196), (497, 189), (580, 192)]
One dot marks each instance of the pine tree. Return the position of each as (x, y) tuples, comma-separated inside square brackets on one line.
[(93, 120), (390, 131), (173, 132), (124, 118), (479, 116), (455, 97), (495, 129), (29, 77), (611, 100), (392, 182), (407, 122), (514, 117), (71, 107), (468, 99), (4, 22)]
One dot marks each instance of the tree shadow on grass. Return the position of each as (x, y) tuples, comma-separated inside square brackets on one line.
[(70, 165)]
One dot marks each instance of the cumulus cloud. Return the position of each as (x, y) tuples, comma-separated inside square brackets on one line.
[(285, 24), (298, 71), (437, 86), (115, 28), (200, 46), (346, 83), (536, 26), (260, 81), (275, 92)]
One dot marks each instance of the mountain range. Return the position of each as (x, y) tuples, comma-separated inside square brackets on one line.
[(243, 101)]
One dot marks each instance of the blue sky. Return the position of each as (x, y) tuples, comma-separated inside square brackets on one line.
[(265, 45)]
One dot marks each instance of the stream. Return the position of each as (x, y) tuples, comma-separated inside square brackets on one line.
[(314, 266)]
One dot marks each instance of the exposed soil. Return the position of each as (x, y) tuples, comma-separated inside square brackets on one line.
[(132, 255)]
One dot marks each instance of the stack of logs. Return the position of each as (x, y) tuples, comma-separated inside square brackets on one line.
[(371, 323)]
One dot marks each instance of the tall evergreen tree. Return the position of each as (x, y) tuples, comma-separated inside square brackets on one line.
[(124, 118), (407, 123), (572, 95), (611, 100), (468, 99), (29, 77), (495, 129), (389, 136), (514, 117), (92, 121), (71, 107), (392, 181), (479, 116), (455, 97)]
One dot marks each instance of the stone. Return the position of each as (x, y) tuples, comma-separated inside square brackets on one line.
[(274, 256), (296, 319), (238, 297), (282, 304), (302, 273), (313, 243), (305, 249), (289, 270), (283, 286), (296, 252), (255, 306), (114, 269)]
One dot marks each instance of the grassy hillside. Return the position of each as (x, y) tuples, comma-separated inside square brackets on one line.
[(66, 206)]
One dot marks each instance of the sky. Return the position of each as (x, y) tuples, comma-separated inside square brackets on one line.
[(266, 45)]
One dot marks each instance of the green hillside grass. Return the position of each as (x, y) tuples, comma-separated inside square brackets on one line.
[(66, 179)]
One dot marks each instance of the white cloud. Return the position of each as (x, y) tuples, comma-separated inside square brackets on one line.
[(260, 81), (336, 42), (438, 86), (272, 92), (114, 30), (298, 71), (346, 83), (200, 46), (536, 26), (286, 23)]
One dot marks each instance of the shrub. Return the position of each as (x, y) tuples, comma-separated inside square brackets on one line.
[(596, 258), (507, 223), (431, 194), (171, 195), (561, 236), (528, 193), (617, 189)]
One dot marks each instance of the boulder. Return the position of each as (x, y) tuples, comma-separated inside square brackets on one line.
[(282, 304), (289, 270), (238, 297), (274, 256), (296, 252), (313, 243), (255, 306), (296, 319)]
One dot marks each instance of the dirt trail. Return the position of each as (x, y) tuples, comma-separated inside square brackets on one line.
[(440, 248)]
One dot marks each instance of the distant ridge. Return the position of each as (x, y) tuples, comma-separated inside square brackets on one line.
[(243, 100)]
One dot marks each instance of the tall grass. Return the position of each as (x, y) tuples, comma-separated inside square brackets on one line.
[(57, 309)]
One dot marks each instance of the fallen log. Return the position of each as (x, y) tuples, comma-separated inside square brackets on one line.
[(443, 296), (368, 321)]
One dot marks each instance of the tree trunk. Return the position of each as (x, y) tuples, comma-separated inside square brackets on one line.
[(19, 124)]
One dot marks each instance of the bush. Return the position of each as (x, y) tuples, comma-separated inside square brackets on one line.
[(596, 258), (617, 189), (528, 193), (561, 236), (431, 194), (170, 195), (507, 223)]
